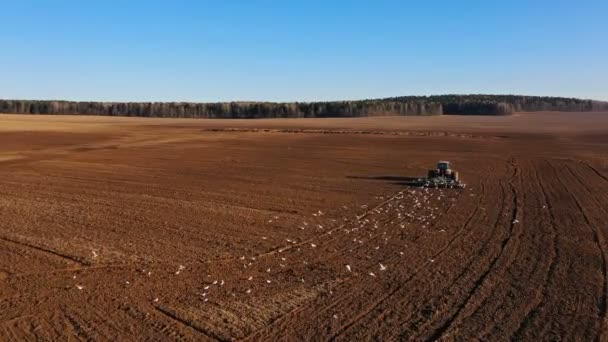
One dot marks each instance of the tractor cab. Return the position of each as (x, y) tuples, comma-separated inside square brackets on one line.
[(443, 170), (443, 165)]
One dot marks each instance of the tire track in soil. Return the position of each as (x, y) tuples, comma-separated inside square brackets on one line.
[(601, 243), (173, 317), (539, 303), (604, 328), (476, 255), (451, 205), (28, 328), (377, 304), (491, 306), (435, 255), (285, 248), (85, 324), (77, 329), (595, 170), (46, 251), (569, 236), (440, 332), (345, 280), (156, 321), (545, 322), (73, 269), (404, 316)]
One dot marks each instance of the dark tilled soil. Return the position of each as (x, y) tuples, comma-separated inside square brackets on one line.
[(161, 229)]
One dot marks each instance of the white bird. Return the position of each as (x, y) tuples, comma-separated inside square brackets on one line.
[(155, 300), (382, 267), (348, 268), (515, 221), (248, 291), (268, 281), (313, 245), (372, 274), (79, 287), (181, 267), (250, 278)]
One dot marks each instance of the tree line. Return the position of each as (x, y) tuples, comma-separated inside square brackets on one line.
[(401, 106), (225, 109), (507, 104)]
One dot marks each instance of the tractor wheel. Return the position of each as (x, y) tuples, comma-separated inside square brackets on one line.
[(431, 174), (455, 176)]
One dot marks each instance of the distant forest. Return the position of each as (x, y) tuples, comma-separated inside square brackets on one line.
[(400, 106), (508, 104)]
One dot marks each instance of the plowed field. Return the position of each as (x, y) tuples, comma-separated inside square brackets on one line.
[(303, 229)]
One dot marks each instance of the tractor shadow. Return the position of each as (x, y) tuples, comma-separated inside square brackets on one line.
[(395, 180)]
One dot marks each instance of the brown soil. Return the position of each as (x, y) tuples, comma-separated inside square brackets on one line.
[(155, 229)]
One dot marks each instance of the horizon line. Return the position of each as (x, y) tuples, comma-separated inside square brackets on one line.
[(296, 101)]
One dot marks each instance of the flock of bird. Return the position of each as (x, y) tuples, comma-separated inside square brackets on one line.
[(357, 236), (379, 230)]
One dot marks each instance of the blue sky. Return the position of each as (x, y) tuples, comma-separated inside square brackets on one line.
[(300, 50)]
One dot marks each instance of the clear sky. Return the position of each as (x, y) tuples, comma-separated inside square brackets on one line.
[(303, 50)]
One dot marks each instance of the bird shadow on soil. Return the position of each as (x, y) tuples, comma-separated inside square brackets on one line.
[(396, 180)]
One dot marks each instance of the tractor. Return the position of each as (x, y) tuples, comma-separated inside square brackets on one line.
[(443, 170), (443, 176)]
